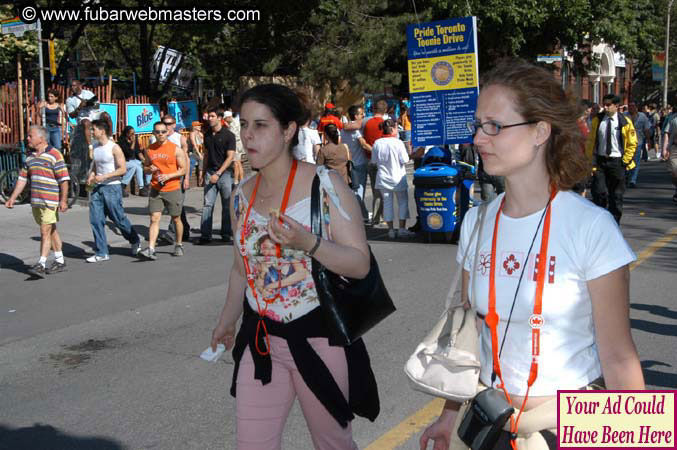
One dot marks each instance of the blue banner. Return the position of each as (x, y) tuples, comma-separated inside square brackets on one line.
[(185, 113), (443, 80), (112, 110), (142, 116)]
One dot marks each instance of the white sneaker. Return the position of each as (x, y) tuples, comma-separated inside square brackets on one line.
[(391, 233), (136, 248), (403, 233), (97, 258)]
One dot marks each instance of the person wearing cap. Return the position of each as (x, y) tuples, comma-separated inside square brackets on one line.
[(330, 115)]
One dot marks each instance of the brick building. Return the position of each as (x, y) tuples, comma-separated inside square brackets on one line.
[(613, 75)]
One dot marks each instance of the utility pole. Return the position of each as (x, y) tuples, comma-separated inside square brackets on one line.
[(667, 54)]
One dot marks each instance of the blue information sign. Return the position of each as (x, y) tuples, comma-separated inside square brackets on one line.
[(184, 112), (142, 116), (443, 80)]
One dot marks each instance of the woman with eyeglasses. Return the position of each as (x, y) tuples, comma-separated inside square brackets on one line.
[(550, 279)]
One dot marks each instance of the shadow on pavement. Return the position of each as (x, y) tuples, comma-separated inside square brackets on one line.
[(47, 437), (655, 309), (654, 327), (8, 261), (656, 378)]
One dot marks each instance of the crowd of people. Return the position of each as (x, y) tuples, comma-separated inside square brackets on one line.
[(528, 134)]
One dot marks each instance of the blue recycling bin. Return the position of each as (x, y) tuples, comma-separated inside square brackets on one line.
[(435, 188), (435, 185)]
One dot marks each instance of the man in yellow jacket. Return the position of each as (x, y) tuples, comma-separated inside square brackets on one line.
[(611, 146)]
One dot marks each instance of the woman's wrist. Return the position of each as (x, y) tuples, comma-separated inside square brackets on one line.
[(313, 245)]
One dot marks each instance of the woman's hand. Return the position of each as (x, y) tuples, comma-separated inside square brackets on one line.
[(223, 334), (290, 233), (439, 432)]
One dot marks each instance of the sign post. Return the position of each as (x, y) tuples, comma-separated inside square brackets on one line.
[(443, 80), (16, 27)]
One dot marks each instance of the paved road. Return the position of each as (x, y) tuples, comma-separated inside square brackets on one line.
[(105, 356)]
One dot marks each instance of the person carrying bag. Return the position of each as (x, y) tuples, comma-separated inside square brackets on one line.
[(550, 275), (282, 350)]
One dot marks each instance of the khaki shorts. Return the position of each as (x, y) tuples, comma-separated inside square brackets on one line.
[(172, 200), (45, 216)]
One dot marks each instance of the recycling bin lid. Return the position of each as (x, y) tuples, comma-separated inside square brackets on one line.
[(435, 170), (436, 176)]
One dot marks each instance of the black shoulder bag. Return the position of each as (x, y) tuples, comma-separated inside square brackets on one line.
[(350, 307)]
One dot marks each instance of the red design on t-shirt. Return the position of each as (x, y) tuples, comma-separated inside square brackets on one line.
[(510, 264), (536, 268), (551, 270), (484, 264)]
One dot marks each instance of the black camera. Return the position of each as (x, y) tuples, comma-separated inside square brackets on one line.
[(92, 102), (483, 422)]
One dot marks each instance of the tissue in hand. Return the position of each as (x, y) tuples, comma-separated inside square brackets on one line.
[(213, 356)]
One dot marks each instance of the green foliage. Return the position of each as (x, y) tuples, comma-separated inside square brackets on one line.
[(361, 41)]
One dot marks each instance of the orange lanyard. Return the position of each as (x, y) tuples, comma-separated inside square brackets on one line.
[(278, 253), (536, 319)]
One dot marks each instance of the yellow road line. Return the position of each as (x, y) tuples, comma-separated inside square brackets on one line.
[(654, 247), (403, 431)]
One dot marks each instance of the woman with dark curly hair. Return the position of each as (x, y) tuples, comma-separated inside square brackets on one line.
[(551, 265), (281, 350)]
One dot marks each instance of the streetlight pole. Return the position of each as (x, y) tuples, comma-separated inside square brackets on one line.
[(667, 54)]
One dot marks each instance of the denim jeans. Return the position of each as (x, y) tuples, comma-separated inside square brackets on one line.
[(134, 168), (638, 158), (360, 173), (193, 162), (106, 200), (223, 187), (54, 132)]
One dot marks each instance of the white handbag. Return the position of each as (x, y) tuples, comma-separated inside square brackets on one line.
[(446, 364)]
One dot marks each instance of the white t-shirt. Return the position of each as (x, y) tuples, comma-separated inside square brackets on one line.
[(304, 149), (390, 155), (73, 102), (585, 243), (234, 127), (351, 139)]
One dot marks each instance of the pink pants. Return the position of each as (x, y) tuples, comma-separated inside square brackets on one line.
[(262, 410)]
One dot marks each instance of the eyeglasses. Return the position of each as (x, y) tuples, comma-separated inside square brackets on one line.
[(160, 131), (491, 127), (168, 123)]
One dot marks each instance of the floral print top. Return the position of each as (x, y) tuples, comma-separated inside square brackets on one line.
[(290, 276)]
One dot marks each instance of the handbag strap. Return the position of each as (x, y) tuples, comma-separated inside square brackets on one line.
[(483, 214), (315, 207), (457, 276)]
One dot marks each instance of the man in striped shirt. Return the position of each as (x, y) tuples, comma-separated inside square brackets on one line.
[(49, 195)]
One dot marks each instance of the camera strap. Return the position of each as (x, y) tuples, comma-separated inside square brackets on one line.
[(536, 319)]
